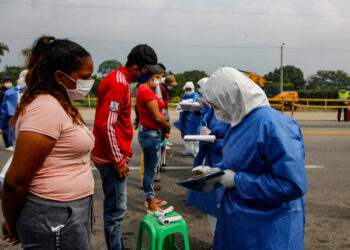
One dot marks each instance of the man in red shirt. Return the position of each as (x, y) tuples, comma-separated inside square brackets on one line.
[(113, 135)]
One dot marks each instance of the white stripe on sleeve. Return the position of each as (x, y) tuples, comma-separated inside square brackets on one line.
[(112, 119)]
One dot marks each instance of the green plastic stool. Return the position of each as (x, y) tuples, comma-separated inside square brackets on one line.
[(159, 232)]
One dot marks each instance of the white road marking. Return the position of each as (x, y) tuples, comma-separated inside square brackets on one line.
[(167, 167), (314, 166), (190, 167)]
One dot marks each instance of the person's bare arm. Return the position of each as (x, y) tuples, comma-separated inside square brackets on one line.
[(153, 108), (30, 152)]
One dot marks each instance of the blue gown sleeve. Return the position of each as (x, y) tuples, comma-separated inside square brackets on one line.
[(203, 123), (284, 179), (4, 114), (219, 165), (202, 153)]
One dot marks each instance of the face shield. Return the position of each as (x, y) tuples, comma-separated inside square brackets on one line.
[(233, 95)]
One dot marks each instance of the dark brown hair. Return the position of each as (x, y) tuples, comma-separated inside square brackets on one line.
[(47, 56)]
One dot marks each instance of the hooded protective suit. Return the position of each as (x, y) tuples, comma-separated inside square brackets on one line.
[(188, 122), (201, 83), (266, 209), (9, 103), (209, 154)]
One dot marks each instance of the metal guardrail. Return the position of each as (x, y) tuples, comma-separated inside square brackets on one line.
[(276, 102)]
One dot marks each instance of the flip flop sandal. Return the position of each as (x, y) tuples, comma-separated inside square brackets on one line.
[(159, 203), (151, 211)]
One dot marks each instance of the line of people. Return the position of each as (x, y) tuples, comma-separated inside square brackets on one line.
[(42, 205), (260, 204)]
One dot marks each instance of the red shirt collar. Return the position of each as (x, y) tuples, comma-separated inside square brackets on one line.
[(128, 76)]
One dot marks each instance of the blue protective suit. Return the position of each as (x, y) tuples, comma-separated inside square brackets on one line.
[(8, 108), (266, 210), (209, 155), (203, 111), (189, 121)]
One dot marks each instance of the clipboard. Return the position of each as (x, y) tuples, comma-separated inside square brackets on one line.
[(198, 183)]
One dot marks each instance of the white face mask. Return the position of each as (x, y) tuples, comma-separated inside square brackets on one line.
[(188, 92), (155, 82), (81, 90), (222, 115), (170, 87), (8, 85), (200, 91)]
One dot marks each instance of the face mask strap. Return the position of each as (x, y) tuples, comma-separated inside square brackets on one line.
[(69, 77)]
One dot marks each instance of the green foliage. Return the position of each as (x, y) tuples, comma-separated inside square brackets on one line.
[(319, 94), (93, 92), (328, 79), (274, 88), (85, 103), (26, 53), (291, 74), (181, 78), (12, 71), (3, 48), (108, 66)]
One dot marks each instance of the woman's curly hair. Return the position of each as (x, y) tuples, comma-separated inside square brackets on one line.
[(48, 55)]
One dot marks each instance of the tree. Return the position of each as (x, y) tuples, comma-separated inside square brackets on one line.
[(26, 53), (93, 91), (108, 66), (324, 79), (3, 48), (193, 76), (291, 74), (12, 71)]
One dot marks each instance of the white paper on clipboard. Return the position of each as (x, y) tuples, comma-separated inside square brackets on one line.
[(190, 106), (202, 138)]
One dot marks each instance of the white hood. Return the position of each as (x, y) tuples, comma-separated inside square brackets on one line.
[(21, 82), (234, 93), (202, 81), (189, 85)]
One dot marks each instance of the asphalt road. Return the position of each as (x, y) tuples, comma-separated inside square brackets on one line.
[(327, 146)]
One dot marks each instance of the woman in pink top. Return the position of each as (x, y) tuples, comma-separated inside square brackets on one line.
[(47, 193)]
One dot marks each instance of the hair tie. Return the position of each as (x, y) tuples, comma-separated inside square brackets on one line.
[(51, 41)]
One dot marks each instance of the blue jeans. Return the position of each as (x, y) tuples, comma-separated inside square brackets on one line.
[(114, 205), (149, 140)]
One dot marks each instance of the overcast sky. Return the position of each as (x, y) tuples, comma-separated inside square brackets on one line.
[(190, 34)]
